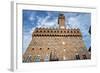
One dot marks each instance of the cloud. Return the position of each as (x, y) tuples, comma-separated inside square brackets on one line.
[(73, 22), (31, 18), (46, 23)]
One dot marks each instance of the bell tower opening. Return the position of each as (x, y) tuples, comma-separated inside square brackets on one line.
[(61, 21)]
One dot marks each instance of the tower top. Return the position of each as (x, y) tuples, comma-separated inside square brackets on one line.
[(61, 15), (61, 21)]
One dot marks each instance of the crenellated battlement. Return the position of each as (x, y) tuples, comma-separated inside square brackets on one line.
[(57, 32), (62, 31)]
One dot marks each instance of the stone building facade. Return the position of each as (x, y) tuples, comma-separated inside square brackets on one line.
[(60, 44)]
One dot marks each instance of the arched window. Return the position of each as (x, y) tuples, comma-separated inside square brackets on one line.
[(32, 48), (29, 58), (37, 58), (40, 48), (48, 48)]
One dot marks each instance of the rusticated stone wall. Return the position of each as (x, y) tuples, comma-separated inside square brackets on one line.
[(64, 44)]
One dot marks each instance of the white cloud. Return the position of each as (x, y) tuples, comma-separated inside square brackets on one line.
[(32, 16), (44, 23), (73, 22)]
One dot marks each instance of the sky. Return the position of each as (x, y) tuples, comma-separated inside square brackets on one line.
[(33, 19)]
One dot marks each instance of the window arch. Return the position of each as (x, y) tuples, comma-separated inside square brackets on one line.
[(32, 48)]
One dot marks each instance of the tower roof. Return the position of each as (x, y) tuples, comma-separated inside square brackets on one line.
[(61, 14)]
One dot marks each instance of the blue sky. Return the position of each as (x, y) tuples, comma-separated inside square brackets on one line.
[(48, 19)]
